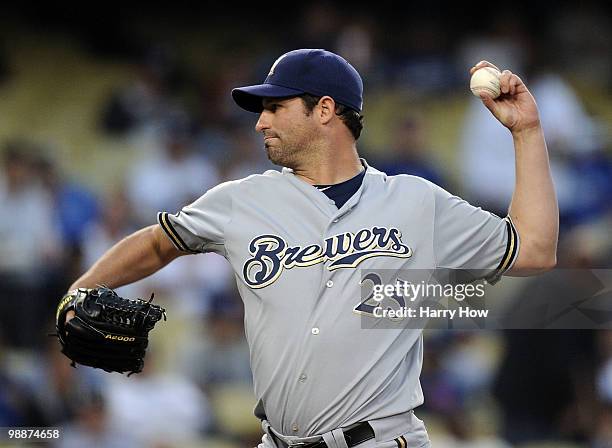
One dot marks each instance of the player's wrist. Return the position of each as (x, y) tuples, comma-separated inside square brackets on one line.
[(528, 129)]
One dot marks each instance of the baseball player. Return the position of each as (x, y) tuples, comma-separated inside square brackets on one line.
[(299, 239)]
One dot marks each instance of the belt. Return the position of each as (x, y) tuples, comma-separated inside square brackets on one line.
[(354, 436)]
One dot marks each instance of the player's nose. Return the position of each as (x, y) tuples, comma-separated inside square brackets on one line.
[(262, 122)]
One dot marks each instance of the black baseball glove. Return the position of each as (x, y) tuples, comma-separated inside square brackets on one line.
[(107, 332)]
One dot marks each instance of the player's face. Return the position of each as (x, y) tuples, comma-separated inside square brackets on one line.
[(289, 132)]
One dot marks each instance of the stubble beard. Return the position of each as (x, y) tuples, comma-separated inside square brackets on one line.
[(286, 154), (275, 154)]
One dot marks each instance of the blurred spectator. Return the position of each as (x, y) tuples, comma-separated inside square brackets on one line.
[(581, 170), (602, 436), (603, 385), (546, 382), (457, 370), (218, 361), (160, 408), (540, 384), (317, 26), (142, 105), (486, 150), (594, 173), (74, 208), (355, 44), (29, 245), (15, 407), (443, 396), (503, 42), (74, 205), (117, 222), (172, 179), (10, 414), (409, 153), (221, 356), (471, 363), (56, 387), (90, 428), (486, 160), (217, 114), (41, 391), (190, 282), (28, 239), (582, 36), (604, 378), (603, 425), (417, 57)]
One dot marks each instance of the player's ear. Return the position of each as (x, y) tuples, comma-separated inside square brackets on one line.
[(326, 109)]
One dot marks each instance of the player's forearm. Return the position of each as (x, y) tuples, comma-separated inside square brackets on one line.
[(534, 208), (131, 259)]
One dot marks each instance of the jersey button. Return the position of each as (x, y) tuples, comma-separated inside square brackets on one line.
[(329, 283), (303, 378), (294, 427), (315, 330)]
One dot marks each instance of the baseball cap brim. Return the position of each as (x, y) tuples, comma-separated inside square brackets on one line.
[(249, 97)]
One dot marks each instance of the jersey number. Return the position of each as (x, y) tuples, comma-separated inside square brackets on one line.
[(369, 304)]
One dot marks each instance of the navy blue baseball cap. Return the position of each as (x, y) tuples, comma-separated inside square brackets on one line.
[(317, 72)]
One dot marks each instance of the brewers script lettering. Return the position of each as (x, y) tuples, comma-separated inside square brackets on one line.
[(271, 254)]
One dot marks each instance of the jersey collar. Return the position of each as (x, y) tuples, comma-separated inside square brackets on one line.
[(322, 201), (286, 170)]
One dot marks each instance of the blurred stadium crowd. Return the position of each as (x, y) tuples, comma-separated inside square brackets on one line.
[(128, 122)]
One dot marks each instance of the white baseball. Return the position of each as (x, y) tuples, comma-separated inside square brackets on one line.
[(485, 80)]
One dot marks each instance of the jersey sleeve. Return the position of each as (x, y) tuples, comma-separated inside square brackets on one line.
[(472, 239), (200, 226)]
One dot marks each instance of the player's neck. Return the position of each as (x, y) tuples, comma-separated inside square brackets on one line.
[(330, 167)]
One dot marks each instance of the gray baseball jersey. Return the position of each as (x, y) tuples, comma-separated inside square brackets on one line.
[(297, 261)]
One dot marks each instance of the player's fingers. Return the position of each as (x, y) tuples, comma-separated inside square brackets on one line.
[(517, 85), (504, 81), (69, 315), (488, 102), (513, 83), (482, 64)]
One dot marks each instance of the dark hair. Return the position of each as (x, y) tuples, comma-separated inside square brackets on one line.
[(350, 117)]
